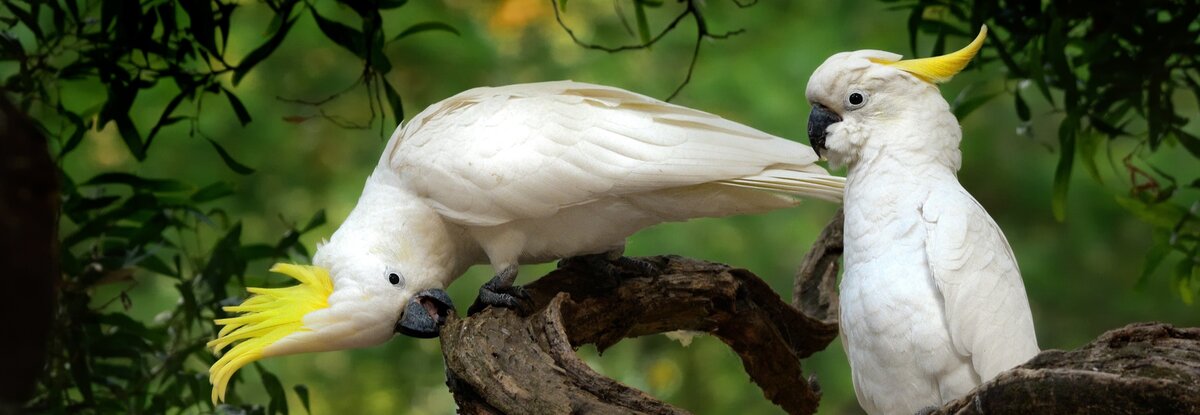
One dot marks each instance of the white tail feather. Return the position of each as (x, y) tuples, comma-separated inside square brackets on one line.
[(794, 183)]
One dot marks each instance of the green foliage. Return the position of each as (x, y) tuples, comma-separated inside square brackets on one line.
[(1079, 56), (119, 227)]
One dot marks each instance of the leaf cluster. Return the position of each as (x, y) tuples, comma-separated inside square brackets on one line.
[(121, 228), (1112, 71)]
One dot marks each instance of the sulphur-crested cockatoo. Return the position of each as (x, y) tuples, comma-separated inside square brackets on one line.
[(510, 175), (932, 302)]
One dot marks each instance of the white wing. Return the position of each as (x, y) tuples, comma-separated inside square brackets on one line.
[(975, 270), (492, 155)]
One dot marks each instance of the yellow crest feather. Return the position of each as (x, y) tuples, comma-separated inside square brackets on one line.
[(940, 69), (270, 315)]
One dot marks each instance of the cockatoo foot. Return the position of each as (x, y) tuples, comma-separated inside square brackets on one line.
[(612, 264), (500, 292)]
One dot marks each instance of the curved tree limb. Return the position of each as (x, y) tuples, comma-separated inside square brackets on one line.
[(501, 362)]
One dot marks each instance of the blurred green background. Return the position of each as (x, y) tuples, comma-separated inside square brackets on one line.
[(1080, 274)]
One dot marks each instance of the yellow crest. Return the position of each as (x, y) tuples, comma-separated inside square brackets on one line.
[(940, 69), (268, 316)]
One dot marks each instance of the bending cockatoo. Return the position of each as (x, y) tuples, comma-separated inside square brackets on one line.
[(510, 175), (932, 302)]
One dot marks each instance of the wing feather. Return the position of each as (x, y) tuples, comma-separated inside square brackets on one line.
[(493, 155), (973, 266)]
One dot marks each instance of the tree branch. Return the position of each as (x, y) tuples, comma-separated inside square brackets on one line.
[(502, 361), (1142, 368)]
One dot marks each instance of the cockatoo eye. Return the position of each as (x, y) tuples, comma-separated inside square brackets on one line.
[(395, 279), (856, 100)]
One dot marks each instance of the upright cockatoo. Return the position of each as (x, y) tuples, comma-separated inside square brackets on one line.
[(509, 175), (932, 302)]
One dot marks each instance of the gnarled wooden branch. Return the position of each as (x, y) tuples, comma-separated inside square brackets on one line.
[(501, 362), (1143, 368)]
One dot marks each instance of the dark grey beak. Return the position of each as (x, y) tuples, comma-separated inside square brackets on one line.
[(425, 314), (818, 121)]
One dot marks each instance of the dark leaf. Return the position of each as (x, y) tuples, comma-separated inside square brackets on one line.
[(1022, 108), (425, 27), (345, 36), (1062, 173), (302, 393), (391, 4), (238, 108), (262, 52), (278, 402), (394, 101), (964, 106), (228, 159), (1189, 141), (165, 118), (203, 28), (76, 135), (27, 17), (212, 192), (138, 183), (318, 219)]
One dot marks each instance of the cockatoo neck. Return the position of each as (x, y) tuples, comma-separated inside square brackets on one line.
[(392, 225)]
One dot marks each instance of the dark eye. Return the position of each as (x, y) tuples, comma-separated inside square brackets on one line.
[(856, 99), (394, 278)]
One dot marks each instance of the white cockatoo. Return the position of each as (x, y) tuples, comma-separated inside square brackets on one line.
[(932, 302), (510, 175)]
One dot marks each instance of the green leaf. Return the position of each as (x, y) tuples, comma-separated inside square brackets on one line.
[(137, 182), (425, 27), (391, 4), (262, 52), (393, 100), (238, 108), (165, 118), (1062, 173), (200, 14), (1153, 259), (318, 219), (229, 161), (1022, 107), (212, 192), (278, 402), (302, 393), (964, 106), (1189, 141), (1163, 215), (1183, 280), (345, 36), (129, 134), (639, 12), (1090, 143)]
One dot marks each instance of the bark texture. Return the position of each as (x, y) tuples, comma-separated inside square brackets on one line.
[(504, 361), (1143, 368)]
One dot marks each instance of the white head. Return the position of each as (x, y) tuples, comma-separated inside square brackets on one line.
[(366, 284), (869, 102)]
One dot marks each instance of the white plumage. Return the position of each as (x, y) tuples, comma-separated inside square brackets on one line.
[(531, 173), (932, 301)]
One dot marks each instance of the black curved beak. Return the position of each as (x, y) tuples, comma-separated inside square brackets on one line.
[(425, 314), (818, 121)]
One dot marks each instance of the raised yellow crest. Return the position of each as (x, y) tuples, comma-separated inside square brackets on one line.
[(270, 315), (939, 69)]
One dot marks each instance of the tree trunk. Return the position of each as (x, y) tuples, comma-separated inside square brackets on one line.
[(28, 253)]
